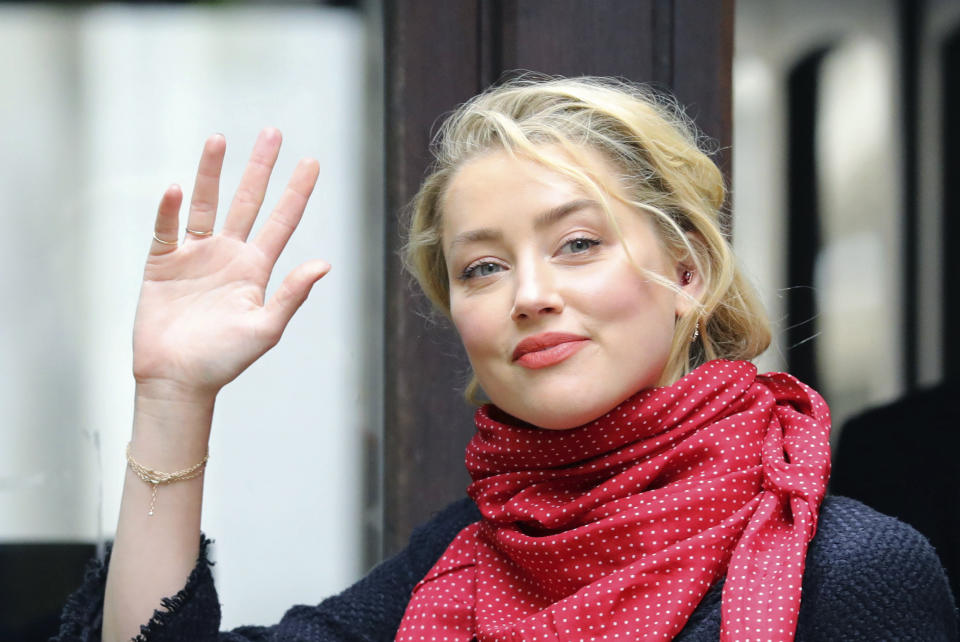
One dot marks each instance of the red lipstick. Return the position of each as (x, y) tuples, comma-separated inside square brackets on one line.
[(546, 349)]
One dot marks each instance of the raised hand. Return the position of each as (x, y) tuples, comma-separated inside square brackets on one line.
[(202, 318)]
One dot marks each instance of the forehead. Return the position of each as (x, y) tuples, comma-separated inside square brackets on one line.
[(497, 183)]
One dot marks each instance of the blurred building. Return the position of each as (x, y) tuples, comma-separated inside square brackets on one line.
[(104, 105)]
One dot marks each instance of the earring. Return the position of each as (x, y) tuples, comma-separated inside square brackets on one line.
[(696, 331), (686, 278)]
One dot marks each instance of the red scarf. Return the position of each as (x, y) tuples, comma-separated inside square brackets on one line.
[(616, 530)]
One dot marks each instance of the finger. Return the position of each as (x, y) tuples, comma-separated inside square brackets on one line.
[(291, 294), (284, 219), (166, 226), (206, 189), (249, 197)]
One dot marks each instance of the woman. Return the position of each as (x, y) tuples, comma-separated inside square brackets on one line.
[(634, 478)]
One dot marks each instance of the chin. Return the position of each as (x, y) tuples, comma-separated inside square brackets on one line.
[(559, 416), (563, 407)]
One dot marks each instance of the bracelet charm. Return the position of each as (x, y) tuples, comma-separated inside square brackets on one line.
[(156, 477)]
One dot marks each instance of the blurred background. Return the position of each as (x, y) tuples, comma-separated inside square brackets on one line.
[(844, 114), (105, 105), (840, 153)]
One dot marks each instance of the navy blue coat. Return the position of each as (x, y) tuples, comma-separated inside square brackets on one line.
[(868, 577)]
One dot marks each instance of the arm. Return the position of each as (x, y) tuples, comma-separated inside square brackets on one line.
[(153, 554), (371, 609), (201, 320)]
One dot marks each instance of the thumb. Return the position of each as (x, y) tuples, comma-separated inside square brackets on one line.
[(293, 292)]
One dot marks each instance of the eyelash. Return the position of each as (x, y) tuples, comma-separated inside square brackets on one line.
[(591, 243), (469, 272)]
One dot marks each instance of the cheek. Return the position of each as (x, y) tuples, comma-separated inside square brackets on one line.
[(475, 330), (624, 295)]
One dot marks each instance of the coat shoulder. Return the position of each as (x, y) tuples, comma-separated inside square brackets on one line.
[(866, 571)]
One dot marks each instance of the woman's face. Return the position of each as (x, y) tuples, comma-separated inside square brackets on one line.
[(558, 324)]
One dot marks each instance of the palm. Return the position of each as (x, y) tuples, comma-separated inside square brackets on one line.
[(202, 318)]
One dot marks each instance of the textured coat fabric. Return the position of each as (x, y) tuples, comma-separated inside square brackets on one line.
[(868, 577), (616, 530), (901, 459)]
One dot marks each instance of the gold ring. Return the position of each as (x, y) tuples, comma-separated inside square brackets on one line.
[(196, 233), (161, 241)]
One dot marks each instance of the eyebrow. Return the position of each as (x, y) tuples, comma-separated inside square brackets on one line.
[(544, 219)]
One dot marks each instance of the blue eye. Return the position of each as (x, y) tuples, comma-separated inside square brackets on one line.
[(480, 269), (577, 246)]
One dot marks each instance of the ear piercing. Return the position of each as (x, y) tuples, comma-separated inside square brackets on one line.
[(685, 279)]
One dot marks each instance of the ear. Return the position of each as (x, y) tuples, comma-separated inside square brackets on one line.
[(692, 284)]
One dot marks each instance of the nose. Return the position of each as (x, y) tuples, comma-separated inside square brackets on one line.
[(536, 294)]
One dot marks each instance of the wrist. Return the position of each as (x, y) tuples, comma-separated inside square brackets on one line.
[(171, 425), (174, 393)]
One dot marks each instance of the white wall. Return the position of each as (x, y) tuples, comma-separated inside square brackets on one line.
[(102, 109)]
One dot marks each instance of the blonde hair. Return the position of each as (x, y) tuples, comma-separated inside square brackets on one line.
[(661, 169)]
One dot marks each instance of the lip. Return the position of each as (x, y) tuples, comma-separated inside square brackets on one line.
[(547, 349)]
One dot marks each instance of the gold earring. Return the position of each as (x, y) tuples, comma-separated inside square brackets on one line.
[(696, 331)]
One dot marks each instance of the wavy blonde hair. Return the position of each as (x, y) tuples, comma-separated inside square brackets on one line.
[(660, 168)]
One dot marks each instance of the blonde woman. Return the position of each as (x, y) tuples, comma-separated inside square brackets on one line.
[(634, 477)]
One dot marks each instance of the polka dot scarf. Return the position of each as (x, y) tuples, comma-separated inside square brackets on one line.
[(615, 530)]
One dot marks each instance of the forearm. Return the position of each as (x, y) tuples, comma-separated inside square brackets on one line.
[(154, 554)]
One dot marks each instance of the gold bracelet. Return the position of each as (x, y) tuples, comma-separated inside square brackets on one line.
[(156, 477)]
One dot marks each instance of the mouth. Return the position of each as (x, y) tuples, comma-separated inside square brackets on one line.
[(547, 349)]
